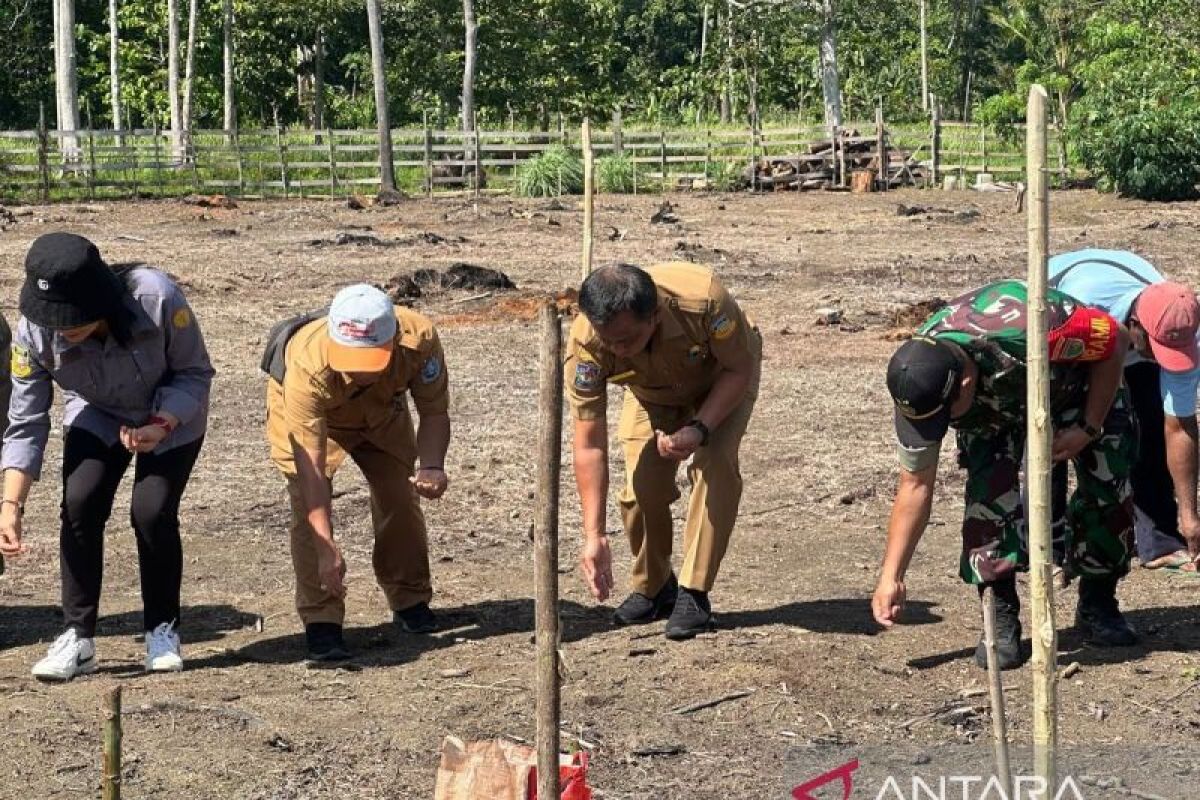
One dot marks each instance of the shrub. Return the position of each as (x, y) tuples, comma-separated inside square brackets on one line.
[(1150, 155), (556, 171), (615, 174)]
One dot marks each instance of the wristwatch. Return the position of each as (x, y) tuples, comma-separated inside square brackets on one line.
[(704, 431), (1092, 432)]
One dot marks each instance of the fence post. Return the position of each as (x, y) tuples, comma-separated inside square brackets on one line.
[(753, 161), (662, 156), (91, 171), (881, 148), (43, 154), (332, 149), (158, 176), (935, 144), (618, 134), (707, 154), (281, 148), (983, 144), (236, 138), (478, 158), (428, 157)]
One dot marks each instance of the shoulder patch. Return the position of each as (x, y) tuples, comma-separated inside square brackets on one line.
[(182, 318), (21, 364), (431, 370), (722, 327), (587, 376)]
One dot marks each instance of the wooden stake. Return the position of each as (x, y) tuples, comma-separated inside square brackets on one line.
[(662, 157), (428, 157), (589, 178), (1045, 637), (935, 143), (110, 779), (43, 155), (478, 158), (550, 398), (996, 691), (333, 182)]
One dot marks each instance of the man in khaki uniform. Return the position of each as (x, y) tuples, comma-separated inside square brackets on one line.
[(689, 361), (343, 392)]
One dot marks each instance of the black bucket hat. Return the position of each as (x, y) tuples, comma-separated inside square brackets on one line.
[(67, 283)]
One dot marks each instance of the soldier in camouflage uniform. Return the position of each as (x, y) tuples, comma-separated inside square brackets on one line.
[(966, 368)]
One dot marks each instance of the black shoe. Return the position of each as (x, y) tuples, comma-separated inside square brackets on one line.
[(1098, 614), (325, 642), (637, 609), (692, 615), (415, 619), (1009, 652)]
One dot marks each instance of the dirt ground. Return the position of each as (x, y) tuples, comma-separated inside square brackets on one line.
[(247, 719)]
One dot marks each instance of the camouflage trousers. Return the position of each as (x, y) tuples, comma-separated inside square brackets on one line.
[(1099, 515)]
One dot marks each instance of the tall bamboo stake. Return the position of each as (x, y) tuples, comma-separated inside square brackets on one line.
[(589, 177), (550, 398), (996, 691), (1045, 637), (111, 777)]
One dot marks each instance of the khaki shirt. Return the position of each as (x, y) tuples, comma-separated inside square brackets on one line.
[(314, 403), (701, 331)]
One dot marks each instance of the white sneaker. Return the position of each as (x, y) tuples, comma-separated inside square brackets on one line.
[(162, 649), (69, 656)]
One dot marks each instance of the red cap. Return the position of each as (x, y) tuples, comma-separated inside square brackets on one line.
[(1170, 314)]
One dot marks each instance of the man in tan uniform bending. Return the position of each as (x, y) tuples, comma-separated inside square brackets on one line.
[(689, 361), (343, 392)]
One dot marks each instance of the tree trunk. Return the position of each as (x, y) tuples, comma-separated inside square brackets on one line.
[(830, 86), (114, 62), (924, 62), (468, 85), (189, 77), (700, 101), (230, 105), (319, 80), (173, 78), (387, 172), (65, 76), (727, 90)]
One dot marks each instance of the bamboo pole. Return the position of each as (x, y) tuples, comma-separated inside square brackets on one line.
[(996, 691), (550, 398), (589, 179), (110, 778), (1045, 637)]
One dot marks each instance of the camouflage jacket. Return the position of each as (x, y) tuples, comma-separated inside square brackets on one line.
[(989, 323)]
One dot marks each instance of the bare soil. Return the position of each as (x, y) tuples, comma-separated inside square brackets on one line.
[(247, 719)]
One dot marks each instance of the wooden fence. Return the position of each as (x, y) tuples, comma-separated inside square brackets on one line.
[(49, 165)]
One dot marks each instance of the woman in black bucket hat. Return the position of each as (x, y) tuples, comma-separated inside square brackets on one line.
[(125, 349)]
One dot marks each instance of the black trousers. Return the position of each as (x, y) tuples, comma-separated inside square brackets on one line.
[(92, 471), (1153, 490)]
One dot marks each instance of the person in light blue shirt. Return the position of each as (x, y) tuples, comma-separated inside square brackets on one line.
[(1162, 372)]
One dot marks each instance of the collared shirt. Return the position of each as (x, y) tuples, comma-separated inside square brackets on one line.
[(164, 368), (1113, 280), (315, 403), (701, 332)]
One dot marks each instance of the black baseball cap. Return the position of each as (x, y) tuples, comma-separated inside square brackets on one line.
[(921, 378), (67, 283)]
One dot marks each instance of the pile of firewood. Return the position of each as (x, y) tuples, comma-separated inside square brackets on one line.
[(852, 161)]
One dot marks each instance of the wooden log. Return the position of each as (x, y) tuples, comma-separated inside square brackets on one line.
[(110, 779), (862, 181), (1038, 439), (588, 195), (996, 691), (550, 399)]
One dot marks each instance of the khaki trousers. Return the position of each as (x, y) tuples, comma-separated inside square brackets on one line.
[(401, 552), (650, 490)]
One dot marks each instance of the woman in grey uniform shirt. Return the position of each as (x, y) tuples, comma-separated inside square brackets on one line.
[(125, 349)]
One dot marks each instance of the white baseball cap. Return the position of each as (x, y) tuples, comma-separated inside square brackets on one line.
[(362, 330)]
